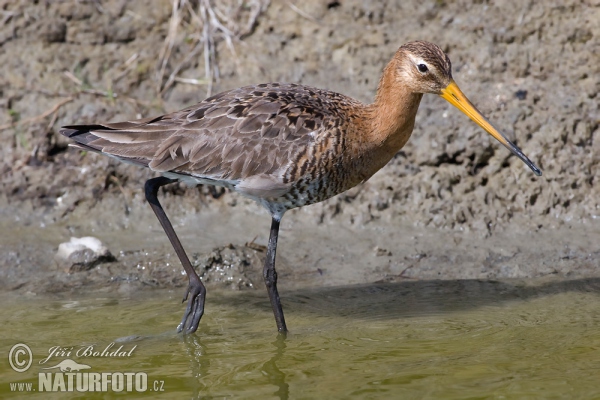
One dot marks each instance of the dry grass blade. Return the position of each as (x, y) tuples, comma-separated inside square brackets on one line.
[(73, 78), (208, 41), (127, 67), (302, 13), (173, 76), (165, 52), (210, 23), (191, 81)]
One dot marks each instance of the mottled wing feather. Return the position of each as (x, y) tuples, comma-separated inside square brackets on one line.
[(254, 130)]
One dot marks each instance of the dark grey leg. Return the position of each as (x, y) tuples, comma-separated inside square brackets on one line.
[(270, 276), (196, 290)]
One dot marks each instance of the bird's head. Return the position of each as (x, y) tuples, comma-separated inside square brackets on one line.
[(423, 67)]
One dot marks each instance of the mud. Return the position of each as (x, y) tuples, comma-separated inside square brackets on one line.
[(453, 204)]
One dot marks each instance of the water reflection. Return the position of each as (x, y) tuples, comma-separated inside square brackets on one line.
[(199, 362), (200, 355), (272, 371)]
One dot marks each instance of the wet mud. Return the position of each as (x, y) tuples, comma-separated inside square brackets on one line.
[(453, 204)]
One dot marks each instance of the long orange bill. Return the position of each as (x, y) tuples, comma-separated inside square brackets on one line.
[(455, 96)]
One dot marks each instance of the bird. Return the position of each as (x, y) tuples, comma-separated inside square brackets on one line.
[(284, 145)]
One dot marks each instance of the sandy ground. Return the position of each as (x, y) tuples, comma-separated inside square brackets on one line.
[(451, 205)]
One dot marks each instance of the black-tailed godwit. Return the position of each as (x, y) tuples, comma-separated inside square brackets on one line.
[(283, 145)]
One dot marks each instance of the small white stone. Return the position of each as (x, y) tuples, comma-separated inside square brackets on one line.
[(79, 244), (82, 254)]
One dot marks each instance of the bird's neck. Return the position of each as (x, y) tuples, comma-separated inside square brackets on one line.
[(390, 119)]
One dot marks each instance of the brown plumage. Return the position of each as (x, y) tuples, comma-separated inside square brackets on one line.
[(283, 145)]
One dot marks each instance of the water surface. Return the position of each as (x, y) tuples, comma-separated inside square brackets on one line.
[(422, 339)]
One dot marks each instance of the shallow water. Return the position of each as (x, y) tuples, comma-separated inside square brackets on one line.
[(418, 339)]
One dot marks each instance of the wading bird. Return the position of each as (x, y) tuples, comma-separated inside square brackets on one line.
[(283, 145)]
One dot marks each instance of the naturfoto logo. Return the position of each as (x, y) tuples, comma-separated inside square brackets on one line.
[(69, 366), (67, 375)]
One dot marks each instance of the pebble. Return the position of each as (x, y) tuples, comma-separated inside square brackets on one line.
[(82, 254)]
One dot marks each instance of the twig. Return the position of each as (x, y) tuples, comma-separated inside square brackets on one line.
[(52, 120), (207, 40), (255, 246), (226, 34), (117, 182), (165, 52), (99, 93), (43, 115), (191, 81), (127, 65), (73, 78), (131, 59), (102, 93), (172, 76), (302, 13), (134, 15), (98, 6), (257, 8), (216, 20)]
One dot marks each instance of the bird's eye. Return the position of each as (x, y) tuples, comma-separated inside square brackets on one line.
[(422, 68)]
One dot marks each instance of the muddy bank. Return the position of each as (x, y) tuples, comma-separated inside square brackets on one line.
[(476, 212), (227, 247)]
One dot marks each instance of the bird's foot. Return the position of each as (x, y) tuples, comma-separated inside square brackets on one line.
[(195, 295)]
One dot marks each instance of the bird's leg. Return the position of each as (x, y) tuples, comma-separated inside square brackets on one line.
[(196, 292), (270, 276)]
